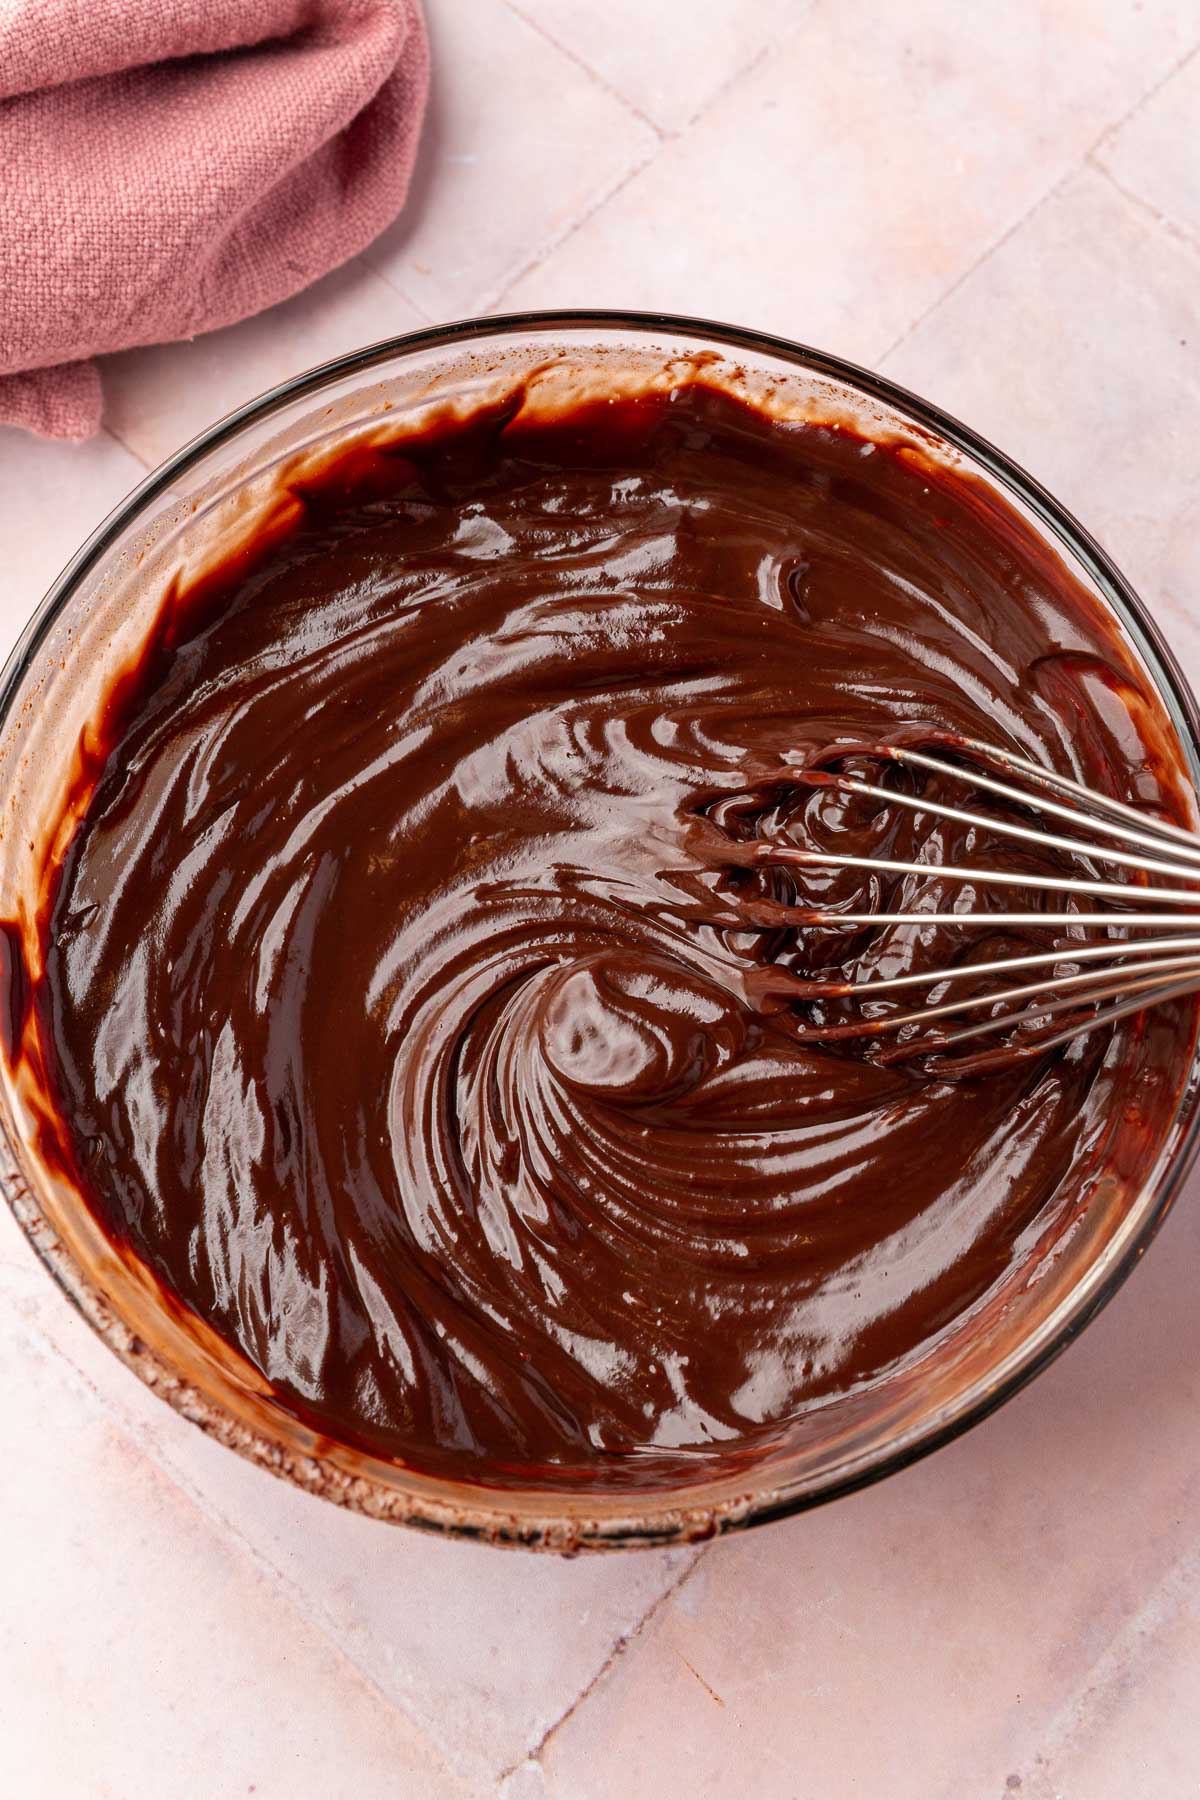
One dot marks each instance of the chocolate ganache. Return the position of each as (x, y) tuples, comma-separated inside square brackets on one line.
[(419, 1006)]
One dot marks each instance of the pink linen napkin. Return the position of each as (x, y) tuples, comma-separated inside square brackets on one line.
[(169, 166)]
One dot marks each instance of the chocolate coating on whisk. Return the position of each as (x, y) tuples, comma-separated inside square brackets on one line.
[(416, 992)]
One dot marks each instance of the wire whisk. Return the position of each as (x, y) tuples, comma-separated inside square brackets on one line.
[(1084, 985)]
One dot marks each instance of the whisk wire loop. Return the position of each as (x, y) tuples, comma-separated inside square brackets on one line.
[(1094, 982)]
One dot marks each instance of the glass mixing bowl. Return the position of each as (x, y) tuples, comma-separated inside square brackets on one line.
[(226, 483)]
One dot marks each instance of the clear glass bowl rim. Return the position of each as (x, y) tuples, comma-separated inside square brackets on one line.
[(652, 1519)]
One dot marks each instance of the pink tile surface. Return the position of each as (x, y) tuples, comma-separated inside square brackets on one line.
[(666, 61), (927, 1639), (1076, 347), (51, 496), (840, 188), (482, 1652), (141, 1652), (1001, 207), (521, 142), (1153, 152), (1133, 1728)]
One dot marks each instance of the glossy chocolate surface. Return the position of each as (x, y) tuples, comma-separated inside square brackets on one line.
[(417, 1004)]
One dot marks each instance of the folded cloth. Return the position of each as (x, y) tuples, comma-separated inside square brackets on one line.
[(169, 166)]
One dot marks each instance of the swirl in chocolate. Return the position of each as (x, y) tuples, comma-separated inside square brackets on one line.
[(417, 999)]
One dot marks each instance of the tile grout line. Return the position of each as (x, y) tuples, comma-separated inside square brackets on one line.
[(315, 1616), (1143, 99), (666, 132), (495, 295), (1088, 160), (985, 256), (1169, 1596), (372, 267), (742, 73), (1181, 234), (625, 1641), (106, 430), (573, 56), (369, 266), (1032, 1749), (744, 70), (276, 1579), (726, 87)]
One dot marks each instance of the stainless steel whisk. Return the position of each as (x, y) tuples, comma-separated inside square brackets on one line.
[(1119, 975)]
